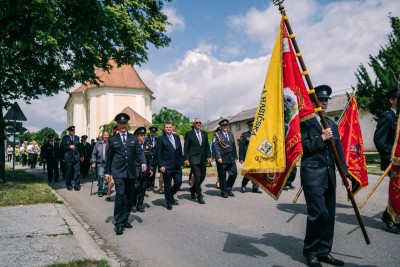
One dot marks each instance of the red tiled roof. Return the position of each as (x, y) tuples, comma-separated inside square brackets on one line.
[(136, 119), (124, 76)]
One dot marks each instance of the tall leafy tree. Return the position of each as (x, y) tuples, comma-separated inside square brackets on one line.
[(385, 66), (181, 122), (48, 46)]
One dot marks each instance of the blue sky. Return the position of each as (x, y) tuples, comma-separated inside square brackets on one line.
[(220, 52)]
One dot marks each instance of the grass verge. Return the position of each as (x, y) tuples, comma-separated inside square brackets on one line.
[(25, 189), (82, 263)]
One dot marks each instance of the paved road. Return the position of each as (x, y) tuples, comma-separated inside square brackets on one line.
[(248, 229)]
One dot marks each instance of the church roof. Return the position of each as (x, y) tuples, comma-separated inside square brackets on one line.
[(136, 119), (124, 76)]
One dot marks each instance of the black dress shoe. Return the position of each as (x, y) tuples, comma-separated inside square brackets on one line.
[(108, 199), (229, 193), (224, 195), (169, 206), (392, 227), (140, 208), (258, 191), (286, 187), (119, 230), (292, 187), (330, 260), (314, 262), (134, 209), (77, 188), (243, 189), (69, 187), (128, 225), (201, 200), (100, 194)]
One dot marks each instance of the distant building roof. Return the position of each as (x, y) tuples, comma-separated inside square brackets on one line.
[(244, 115), (124, 76), (136, 119), (213, 124), (337, 103)]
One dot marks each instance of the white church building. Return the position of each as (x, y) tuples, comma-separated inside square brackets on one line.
[(120, 90)]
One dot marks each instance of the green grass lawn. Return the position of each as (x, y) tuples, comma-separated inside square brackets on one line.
[(82, 263), (25, 189)]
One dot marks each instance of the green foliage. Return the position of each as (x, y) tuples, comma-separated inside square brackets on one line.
[(371, 93), (82, 263), (181, 122), (39, 136)]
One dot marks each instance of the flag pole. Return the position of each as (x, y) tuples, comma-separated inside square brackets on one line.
[(376, 185), (318, 109)]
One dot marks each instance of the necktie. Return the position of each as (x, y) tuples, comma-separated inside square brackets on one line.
[(72, 139), (152, 140), (52, 144), (171, 138), (199, 136), (226, 136), (124, 139)]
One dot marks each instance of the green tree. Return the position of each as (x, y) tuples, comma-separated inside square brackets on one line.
[(48, 46), (385, 65), (181, 122)]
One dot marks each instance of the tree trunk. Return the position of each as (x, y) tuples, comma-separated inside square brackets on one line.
[(2, 148)]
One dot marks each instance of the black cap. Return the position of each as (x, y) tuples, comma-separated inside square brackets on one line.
[(223, 122), (153, 129), (250, 122), (140, 130), (58, 139), (323, 91), (392, 93), (84, 137), (71, 129), (50, 136), (122, 117)]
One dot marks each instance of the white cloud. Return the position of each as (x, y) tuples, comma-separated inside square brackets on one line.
[(177, 21)]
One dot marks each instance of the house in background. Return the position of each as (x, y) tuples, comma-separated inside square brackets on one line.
[(237, 123), (120, 90)]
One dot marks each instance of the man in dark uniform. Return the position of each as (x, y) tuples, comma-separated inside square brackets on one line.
[(225, 154), (86, 149), (384, 139), (243, 145), (61, 160), (73, 156), (51, 155), (122, 155), (319, 183), (141, 182), (170, 160), (151, 139), (197, 155)]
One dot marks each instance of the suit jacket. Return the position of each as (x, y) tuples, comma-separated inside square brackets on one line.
[(51, 152), (318, 161), (167, 156), (195, 152), (120, 160), (244, 144), (153, 145), (227, 152), (86, 149), (384, 136), (70, 154)]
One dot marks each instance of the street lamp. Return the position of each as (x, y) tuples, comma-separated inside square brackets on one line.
[(205, 105)]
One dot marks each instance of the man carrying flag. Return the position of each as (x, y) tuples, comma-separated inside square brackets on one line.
[(318, 179)]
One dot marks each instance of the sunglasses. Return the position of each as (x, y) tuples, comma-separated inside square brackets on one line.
[(198, 122)]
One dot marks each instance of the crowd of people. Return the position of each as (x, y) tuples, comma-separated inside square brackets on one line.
[(130, 163)]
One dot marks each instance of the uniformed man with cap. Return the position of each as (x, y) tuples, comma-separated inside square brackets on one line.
[(384, 138), (318, 179), (225, 154), (141, 182), (86, 149), (151, 139), (61, 159), (51, 155), (243, 145), (72, 157), (123, 153)]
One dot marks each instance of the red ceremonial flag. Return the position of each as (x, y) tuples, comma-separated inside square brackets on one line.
[(294, 92), (353, 146)]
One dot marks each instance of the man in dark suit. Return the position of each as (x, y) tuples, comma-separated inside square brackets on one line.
[(72, 157), (51, 155), (319, 183), (170, 161), (225, 154), (86, 149), (243, 145), (384, 139), (151, 139), (122, 155), (197, 155)]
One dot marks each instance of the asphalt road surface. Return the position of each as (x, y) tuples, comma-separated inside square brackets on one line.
[(246, 230)]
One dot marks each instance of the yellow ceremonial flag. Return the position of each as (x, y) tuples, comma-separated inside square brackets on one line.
[(266, 150)]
